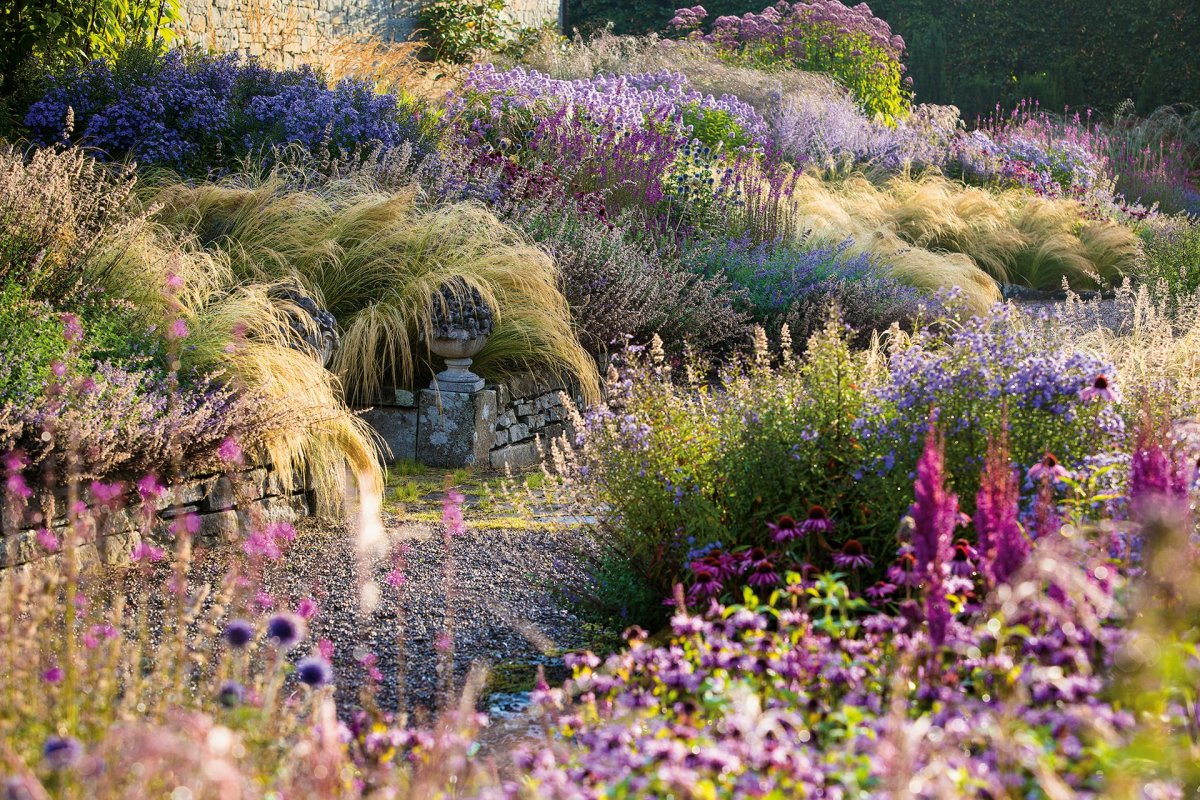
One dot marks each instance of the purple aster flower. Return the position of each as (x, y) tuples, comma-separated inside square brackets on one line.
[(285, 630), (239, 633), (62, 752), (852, 556), (314, 671)]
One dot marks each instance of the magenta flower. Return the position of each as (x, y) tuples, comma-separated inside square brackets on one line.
[(1002, 545), (307, 608), (1101, 389), (72, 328), (47, 540), (107, 493), (818, 521), (852, 556), (935, 516), (903, 571), (144, 551), (230, 451), (880, 590), (1160, 478), (452, 516), (1048, 469), (395, 578), (178, 329), (763, 575), (785, 529), (962, 562), (150, 488), (53, 675)]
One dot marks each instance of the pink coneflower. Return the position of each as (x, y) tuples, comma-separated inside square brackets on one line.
[(1048, 469), (852, 556), (708, 580), (903, 571), (785, 529), (962, 562), (880, 590), (1101, 389), (764, 574), (818, 521)]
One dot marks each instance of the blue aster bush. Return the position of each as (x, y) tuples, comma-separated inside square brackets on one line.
[(200, 113)]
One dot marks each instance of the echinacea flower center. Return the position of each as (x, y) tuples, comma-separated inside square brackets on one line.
[(852, 548), (1101, 382), (816, 512)]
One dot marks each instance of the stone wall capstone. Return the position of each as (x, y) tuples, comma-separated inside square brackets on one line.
[(294, 31)]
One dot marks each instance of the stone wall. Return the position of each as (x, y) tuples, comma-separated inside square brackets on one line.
[(226, 506), (294, 31), (506, 425)]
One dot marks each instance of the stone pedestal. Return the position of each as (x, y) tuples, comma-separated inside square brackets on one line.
[(456, 429)]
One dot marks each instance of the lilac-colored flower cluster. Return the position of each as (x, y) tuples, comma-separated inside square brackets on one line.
[(625, 102), (780, 695), (197, 112)]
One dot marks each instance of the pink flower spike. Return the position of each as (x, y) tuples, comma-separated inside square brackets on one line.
[(53, 675), (395, 579), (325, 648), (47, 540), (178, 329), (186, 525), (17, 486), (307, 608), (107, 493), (230, 451), (72, 328), (174, 283), (264, 600), (147, 552), (149, 487)]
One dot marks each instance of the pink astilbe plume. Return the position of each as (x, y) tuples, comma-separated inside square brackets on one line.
[(1002, 545), (934, 515)]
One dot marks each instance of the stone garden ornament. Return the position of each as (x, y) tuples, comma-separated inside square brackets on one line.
[(462, 323)]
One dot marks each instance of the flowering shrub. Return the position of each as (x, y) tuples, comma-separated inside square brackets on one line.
[(681, 468), (790, 284), (851, 44), (202, 113)]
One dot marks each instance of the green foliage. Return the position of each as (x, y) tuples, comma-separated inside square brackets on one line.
[(460, 30), (31, 338), (715, 128), (63, 32), (1173, 262)]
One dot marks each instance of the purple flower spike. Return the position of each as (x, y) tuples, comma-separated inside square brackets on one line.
[(935, 515), (1002, 545)]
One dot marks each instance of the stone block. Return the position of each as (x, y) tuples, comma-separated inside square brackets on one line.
[(397, 426), (537, 422), (524, 408), (455, 429), (219, 525), (518, 432), (501, 438), (516, 456)]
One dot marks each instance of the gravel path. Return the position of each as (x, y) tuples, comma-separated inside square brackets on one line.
[(499, 596)]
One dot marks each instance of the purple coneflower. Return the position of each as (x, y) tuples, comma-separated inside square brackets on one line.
[(764, 574), (708, 582), (818, 521), (1048, 469), (852, 556), (239, 633), (880, 590), (1100, 389), (962, 562), (314, 671), (903, 571), (285, 630), (785, 529)]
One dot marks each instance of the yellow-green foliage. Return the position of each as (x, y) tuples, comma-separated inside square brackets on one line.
[(376, 259), (935, 233)]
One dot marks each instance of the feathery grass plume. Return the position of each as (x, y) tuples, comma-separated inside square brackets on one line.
[(936, 233), (934, 514), (376, 260), (1001, 544), (244, 333)]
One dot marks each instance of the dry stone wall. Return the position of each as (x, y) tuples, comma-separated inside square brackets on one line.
[(294, 31)]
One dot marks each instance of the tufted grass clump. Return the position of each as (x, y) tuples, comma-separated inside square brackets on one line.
[(375, 260)]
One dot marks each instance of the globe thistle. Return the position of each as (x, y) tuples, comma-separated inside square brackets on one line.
[(231, 694), (239, 633), (285, 630), (62, 752), (314, 671)]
